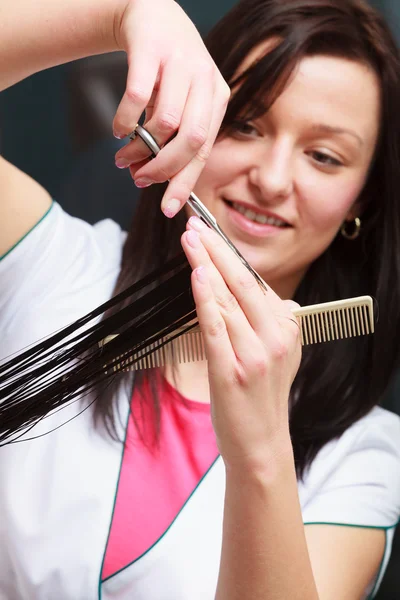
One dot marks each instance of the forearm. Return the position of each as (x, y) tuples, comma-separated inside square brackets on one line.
[(35, 35), (264, 551)]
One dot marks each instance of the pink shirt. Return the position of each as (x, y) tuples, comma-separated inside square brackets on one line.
[(156, 481)]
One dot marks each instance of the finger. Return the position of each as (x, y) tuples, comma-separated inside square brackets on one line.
[(170, 104), (216, 340), (184, 182), (258, 307), (163, 114), (136, 167), (242, 337), (288, 306), (192, 135), (142, 78), (136, 152), (152, 103), (197, 255)]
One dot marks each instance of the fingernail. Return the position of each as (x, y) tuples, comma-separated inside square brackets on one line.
[(197, 223), (122, 163), (171, 208), (201, 274), (119, 136), (142, 182), (193, 238)]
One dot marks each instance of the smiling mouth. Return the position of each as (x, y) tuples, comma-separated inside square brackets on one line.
[(255, 216)]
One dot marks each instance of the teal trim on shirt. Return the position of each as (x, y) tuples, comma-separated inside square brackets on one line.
[(167, 529), (352, 525), (26, 234), (381, 566)]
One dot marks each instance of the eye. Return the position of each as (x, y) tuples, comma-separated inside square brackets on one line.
[(325, 159), (244, 128)]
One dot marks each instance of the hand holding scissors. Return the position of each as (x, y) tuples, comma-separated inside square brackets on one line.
[(174, 79)]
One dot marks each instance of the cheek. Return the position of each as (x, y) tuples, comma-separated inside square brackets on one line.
[(221, 168), (327, 205)]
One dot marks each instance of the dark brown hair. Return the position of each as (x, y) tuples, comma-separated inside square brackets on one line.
[(339, 382)]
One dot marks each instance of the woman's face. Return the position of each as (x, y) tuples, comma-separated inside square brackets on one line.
[(281, 186)]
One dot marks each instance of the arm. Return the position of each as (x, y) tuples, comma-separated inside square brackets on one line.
[(35, 36), (253, 353), (345, 560), (41, 34), (169, 67), (268, 554), (264, 551)]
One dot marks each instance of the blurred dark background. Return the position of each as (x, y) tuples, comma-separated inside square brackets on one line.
[(56, 126)]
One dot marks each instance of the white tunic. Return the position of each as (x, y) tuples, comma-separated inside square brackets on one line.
[(57, 492)]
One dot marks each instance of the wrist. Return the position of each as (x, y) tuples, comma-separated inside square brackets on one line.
[(121, 8), (266, 464)]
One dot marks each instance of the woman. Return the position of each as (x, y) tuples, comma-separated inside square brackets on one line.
[(299, 507)]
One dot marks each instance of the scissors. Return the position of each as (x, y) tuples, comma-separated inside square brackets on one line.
[(196, 205)]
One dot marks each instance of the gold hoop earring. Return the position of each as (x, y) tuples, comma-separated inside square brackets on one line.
[(354, 232)]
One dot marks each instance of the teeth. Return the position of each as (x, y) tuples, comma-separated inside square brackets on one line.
[(256, 217)]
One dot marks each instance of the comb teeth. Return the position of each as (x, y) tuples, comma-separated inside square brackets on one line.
[(318, 323), (188, 347), (335, 320)]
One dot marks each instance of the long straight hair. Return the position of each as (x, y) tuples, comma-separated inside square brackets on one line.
[(337, 383)]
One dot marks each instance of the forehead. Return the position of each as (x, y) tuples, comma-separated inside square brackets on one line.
[(331, 90), (337, 92)]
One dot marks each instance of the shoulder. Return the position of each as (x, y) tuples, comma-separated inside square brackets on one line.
[(60, 236), (62, 269), (356, 478)]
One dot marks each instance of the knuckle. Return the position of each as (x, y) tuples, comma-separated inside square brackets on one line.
[(279, 351), (158, 171), (290, 305), (168, 122), (239, 376), (296, 331), (257, 360), (259, 365), (137, 95), (197, 137), (178, 57), (162, 174), (204, 68), (247, 282), (217, 329), (204, 153), (227, 303), (251, 368), (225, 94)]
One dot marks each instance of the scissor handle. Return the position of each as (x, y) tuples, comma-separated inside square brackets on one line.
[(147, 139)]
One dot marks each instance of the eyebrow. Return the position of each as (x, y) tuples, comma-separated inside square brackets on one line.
[(322, 128)]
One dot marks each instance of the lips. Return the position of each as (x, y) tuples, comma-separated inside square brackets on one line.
[(257, 216)]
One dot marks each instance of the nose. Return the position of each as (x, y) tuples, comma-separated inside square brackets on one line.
[(272, 172)]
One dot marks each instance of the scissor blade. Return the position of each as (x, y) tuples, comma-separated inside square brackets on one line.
[(197, 206), (242, 259)]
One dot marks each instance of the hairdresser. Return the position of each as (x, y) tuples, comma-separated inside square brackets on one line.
[(267, 477), (178, 94)]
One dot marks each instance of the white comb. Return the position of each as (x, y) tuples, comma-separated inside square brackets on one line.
[(318, 323)]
